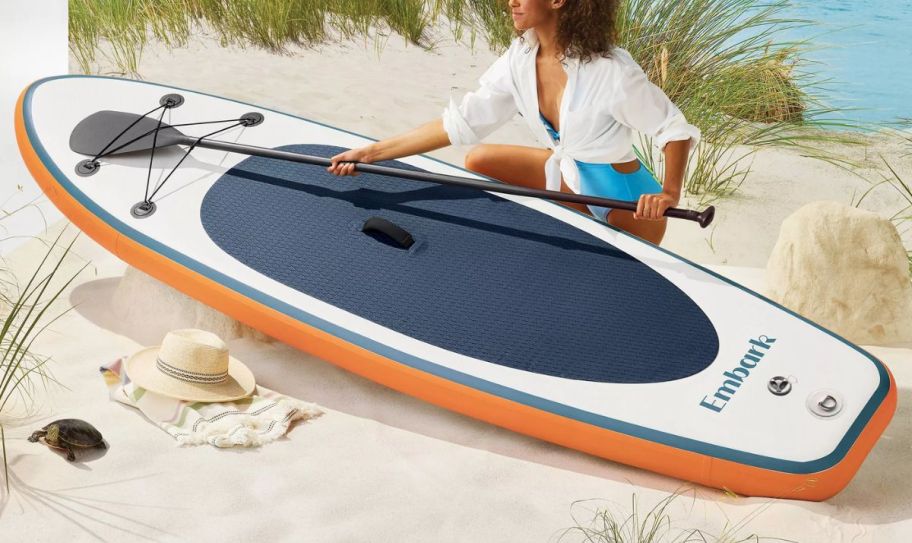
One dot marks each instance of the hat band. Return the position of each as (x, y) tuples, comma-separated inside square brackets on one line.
[(189, 376)]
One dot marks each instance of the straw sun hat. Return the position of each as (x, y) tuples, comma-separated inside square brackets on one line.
[(192, 365)]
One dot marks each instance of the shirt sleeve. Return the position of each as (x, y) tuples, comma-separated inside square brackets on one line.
[(638, 103), (484, 110)]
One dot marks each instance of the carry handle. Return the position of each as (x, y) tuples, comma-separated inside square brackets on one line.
[(396, 233)]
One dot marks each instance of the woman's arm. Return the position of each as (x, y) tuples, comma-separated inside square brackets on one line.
[(638, 103), (425, 138), (675, 162), (479, 113), (651, 207)]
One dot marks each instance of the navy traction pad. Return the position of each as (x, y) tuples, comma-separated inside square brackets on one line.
[(486, 277)]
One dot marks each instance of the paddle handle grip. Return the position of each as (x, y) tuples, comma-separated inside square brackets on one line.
[(703, 218)]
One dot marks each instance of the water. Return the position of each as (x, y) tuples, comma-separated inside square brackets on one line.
[(864, 47)]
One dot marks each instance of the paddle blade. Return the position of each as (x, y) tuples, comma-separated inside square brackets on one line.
[(116, 132)]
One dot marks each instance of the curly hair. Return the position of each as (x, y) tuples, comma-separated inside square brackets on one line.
[(586, 28)]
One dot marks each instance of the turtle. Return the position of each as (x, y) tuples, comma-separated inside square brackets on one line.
[(70, 434)]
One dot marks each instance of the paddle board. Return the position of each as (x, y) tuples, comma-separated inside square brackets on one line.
[(517, 311)]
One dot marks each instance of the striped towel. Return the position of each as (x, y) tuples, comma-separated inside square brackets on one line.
[(263, 417)]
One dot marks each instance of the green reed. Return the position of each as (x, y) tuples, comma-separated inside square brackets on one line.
[(902, 218), (22, 320), (599, 521)]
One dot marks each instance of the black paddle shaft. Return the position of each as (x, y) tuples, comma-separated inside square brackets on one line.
[(113, 132), (704, 218)]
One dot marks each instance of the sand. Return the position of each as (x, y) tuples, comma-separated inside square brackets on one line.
[(378, 465)]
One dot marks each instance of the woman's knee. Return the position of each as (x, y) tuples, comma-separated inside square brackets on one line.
[(652, 231), (478, 159)]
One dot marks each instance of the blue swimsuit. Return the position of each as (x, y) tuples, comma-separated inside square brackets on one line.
[(599, 179)]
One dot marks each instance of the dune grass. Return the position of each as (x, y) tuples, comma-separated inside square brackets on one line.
[(902, 186), (723, 62), (128, 25), (903, 218), (22, 320), (725, 65), (599, 521)]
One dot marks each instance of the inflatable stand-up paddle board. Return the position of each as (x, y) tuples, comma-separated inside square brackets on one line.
[(511, 309)]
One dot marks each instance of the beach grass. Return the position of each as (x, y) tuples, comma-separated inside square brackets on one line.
[(22, 320), (726, 65), (599, 521), (902, 187), (723, 62), (902, 218), (129, 25)]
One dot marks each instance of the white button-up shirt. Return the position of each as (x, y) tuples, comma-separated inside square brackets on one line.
[(603, 102)]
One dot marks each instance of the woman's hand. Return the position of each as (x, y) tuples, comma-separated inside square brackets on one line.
[(651, 207), (362, 154)]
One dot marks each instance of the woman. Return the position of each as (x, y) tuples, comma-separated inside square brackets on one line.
[(582, 97)]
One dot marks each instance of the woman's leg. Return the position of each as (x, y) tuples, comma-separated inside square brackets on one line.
[(514, 164), (652, 231), (525, 166)]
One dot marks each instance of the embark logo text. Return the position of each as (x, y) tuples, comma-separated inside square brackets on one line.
[(735, 378)]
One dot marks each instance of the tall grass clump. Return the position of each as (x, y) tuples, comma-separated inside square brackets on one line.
[(595, 521), (725, 63), (128, 25), (22, 320), (902, 186), (490, 18)]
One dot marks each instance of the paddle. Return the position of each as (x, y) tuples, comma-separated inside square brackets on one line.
[(96, 134)]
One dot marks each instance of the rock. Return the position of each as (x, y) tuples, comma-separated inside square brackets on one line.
[(141, 300), (845, 269)]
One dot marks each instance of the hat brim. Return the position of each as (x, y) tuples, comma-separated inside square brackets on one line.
[(141, 369)]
